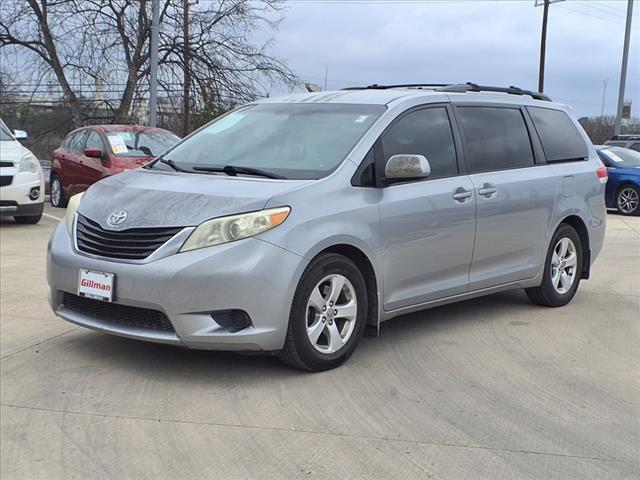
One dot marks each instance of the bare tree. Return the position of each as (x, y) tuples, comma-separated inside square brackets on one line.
[(77, 43)]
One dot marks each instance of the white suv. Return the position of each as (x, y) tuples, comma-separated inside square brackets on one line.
[(21, 179)]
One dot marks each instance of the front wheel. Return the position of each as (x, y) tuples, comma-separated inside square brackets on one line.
[(628, 200), (562, 271), (328, 314)]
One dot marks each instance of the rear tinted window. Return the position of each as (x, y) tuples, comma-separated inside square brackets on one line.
[(496, 138), (559, 136)]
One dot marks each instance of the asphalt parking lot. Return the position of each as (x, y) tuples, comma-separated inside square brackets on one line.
[(492, 388)]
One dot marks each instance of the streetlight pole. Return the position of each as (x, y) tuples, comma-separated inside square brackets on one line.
[(604, 96), (153, 63), (623, 71)]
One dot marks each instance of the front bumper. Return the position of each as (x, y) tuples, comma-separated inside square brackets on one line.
[(250, 275), (14, 198)]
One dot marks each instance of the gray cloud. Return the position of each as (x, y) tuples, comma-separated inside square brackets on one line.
[(492, 42)]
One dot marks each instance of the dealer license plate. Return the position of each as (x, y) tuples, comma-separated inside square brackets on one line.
[(96, 285)]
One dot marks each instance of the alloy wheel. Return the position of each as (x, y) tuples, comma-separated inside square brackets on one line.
[(55, 192), (628, 200), (331, 313), (563, 265)]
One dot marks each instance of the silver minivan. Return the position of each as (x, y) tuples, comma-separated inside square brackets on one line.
[(290, 225)]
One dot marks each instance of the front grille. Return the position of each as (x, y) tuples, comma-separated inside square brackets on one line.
[(118, 314), (6, 164), (5, 180), (8, 203), (131, 244)]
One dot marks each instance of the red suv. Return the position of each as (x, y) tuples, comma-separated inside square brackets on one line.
[(92, 153)]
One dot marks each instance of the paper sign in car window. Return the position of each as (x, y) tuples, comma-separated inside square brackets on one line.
[(614, 157), (225, 123), (361, 118), (117, 144)]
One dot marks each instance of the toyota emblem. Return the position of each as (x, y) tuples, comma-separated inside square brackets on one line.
[(116, 218)]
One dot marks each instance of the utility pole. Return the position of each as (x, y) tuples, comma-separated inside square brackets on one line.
[(153, 63), (187, 75), (623, 71), (604, 96), (543, 46), (543, 40)]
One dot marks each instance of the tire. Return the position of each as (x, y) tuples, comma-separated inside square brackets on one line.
[(628, 200), (57, 200), (336, 335), (554, 291), (28, 219)]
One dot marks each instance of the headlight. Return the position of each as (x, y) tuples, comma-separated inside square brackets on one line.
[(235, 227), (28, 163), (72, 206)]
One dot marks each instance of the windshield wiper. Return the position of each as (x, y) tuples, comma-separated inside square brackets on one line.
[(233, 171), (172, 164)]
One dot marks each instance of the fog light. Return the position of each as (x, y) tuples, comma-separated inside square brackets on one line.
[(234, 320), (34, 193)]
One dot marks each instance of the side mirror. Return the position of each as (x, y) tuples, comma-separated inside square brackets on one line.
[(20, 134), (407, 167), (93, 153)]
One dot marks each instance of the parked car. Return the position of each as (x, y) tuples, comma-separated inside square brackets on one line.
[(290, 224), (21, 179), (91, 153), (625, 141), (623, 187)]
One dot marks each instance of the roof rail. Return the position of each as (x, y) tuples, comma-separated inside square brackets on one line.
[(375, 86), (458, 87), (474, 87)]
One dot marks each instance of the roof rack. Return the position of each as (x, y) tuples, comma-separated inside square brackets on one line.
[(459, 87), (626, 136)]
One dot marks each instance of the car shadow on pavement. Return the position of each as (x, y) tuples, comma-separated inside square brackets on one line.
[(177, 364)]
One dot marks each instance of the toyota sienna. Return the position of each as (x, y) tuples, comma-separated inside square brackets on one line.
[(290, 225)]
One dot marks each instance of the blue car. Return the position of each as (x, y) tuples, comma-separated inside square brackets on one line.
[(623, 187)]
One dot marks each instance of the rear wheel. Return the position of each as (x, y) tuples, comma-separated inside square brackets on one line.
[(628, 200), (328, 314), (562, 271), (58, 198)]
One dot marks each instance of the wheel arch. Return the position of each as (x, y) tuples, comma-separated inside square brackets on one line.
[(579, 226)]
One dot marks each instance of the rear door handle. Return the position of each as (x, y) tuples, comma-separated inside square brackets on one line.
[(461, 194), (487, 190)]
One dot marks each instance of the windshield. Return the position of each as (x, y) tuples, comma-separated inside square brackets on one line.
[(295, 141), (622, 157), (140, 144), (5, 134)]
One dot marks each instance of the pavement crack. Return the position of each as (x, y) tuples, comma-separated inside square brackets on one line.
[(316, 432), (37, 343)]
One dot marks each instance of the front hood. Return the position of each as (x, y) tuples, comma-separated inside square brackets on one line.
[(11, 151), (167, 199)]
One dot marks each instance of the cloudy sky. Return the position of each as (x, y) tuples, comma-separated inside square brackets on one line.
[(488, 42)]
